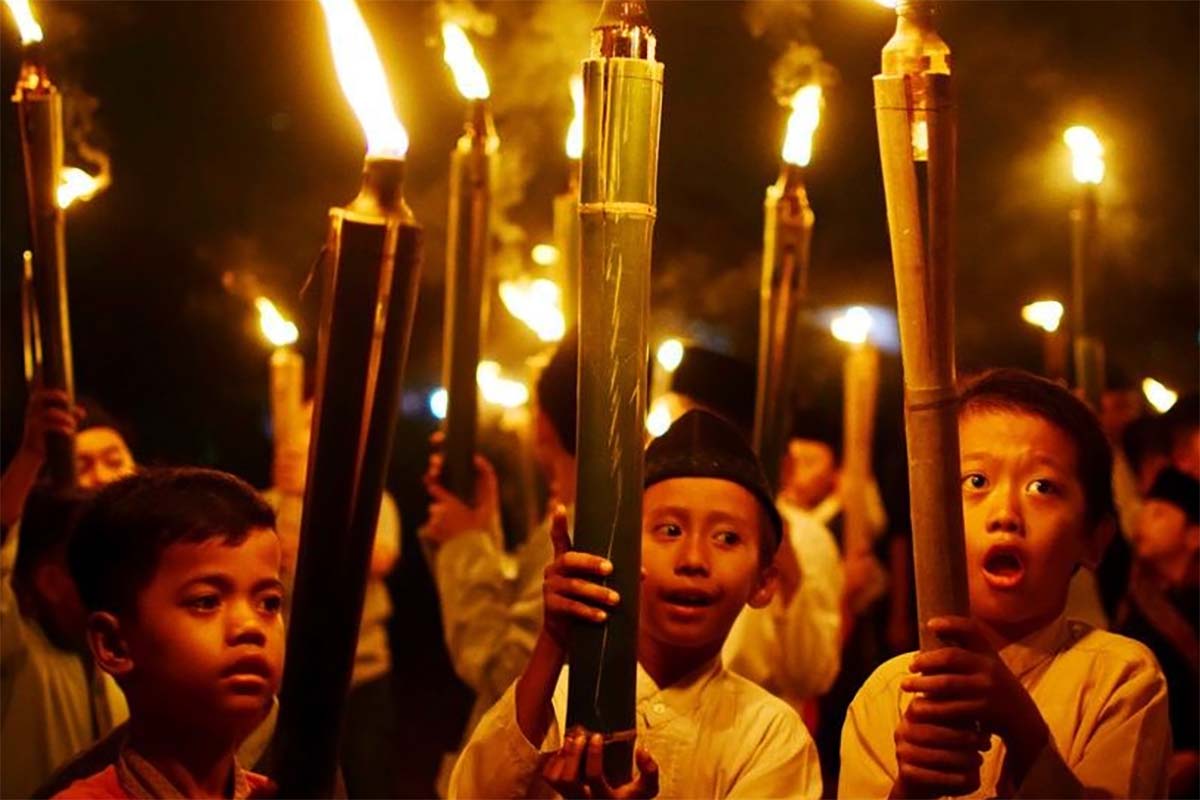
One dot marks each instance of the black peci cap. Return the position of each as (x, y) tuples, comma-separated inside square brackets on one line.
[(1179, 489)]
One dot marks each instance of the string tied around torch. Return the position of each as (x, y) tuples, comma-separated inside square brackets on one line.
[(933, 397), (620, 208)]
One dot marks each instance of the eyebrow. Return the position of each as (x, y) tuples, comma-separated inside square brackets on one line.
[(216, 580), (268, 583), (727, 518)]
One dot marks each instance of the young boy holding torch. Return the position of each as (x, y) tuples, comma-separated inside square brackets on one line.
[(1021, 701), (180, 571), (709, 535)]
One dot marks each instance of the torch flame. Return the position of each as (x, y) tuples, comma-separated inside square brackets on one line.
[(363, 81), (537, 303), (28, 26), (498, 390), (659, 420), (544, 255), (75, 184), (802, 124), (852, 327), (460, 57), (1087, 154), (1045, 314), (575, 131), (669, 355), (279, 331), (1158, 395)]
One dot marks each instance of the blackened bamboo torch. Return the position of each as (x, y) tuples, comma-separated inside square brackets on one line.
[(468, 246), (368, 304), (39, 114), (917, 143), (787, 236), (622, 109)]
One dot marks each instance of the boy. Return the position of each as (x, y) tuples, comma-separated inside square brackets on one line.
[(1022, 701), (179, 569), (710, 531), (1162, 607)]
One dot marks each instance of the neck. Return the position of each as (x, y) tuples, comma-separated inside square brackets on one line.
[(195, 762), (1000, 635), (667, 664)]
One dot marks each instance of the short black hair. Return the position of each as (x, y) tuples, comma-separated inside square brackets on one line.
[(1017, 390), (47, 521), (122, 534), (557, 393)]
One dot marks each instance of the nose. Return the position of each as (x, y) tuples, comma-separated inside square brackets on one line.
[(692, 557), (246, 625), (1004, 510)]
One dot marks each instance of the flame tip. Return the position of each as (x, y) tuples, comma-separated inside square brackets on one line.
[(460, 56), (802, 125)]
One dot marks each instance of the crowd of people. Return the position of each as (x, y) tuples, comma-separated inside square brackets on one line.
[(144, 612)]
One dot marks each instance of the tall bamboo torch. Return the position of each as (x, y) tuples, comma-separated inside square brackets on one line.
[(467, 250), (787, 234), (1047, 316), (917, 145), (368, 303), (1087, 166), (622, 110), (860, 384), (49, 189), (285, 393), (566, 210)]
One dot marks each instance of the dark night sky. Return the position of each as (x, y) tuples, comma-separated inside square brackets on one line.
[(230, 139)]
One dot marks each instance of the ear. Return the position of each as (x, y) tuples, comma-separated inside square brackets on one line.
[(764, 589), (108, 645), (1097, 543)]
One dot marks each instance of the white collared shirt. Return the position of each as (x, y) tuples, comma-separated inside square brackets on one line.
[(713, 734), (1102, 696)]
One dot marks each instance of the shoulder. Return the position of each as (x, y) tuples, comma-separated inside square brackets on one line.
[(101, 786), (760, 713), (884, 682), (1111, 659)]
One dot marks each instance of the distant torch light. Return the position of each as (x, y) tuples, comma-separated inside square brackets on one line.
[(658, 421), (538, 304), (75, 184), (459, 55), (1158, 396), (853, 326), (669, 355), (575, 129), (802, 124), (438, 400), (1044, 314), (498, 390), (544, 255), (1087, 154), (279, 331)]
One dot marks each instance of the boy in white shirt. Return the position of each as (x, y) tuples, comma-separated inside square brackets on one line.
[(1022, 702)]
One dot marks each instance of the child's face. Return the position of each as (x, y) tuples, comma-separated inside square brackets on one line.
[(810, 472), (101, 457), (700, 560), (1023, 506), (1162, 532), (207, 639)]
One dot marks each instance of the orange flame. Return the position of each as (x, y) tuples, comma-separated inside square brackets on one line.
[(802, 124), (1087, 154), (279, 330), (363, 81), (26, 23), (75, 184), (575, 131), (459, 55)]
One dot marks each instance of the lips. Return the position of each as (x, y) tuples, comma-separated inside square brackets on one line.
[(688, 597), (249, 667), (1004, 566)]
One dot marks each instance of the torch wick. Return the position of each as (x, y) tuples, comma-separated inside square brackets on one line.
[(623, 31), (382, 190)]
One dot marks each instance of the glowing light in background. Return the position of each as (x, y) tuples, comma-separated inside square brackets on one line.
[(802, 124), (669, 354), (498, 390), (659, 420), (279, 330), (26, 23), (1158, 396), (439, 399), (459, 55), (853, 326), (1045, 314), (363, 80), (575, 129), (537, 303), (1087, 154), (544, 255), (75, 184)]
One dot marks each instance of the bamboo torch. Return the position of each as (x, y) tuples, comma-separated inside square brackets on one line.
[(1087, 165), (917, 143), (566, 210), (368, 303), (787, 234), (468, 242), (1047, 316), (860, 388), (286, 372), (622, 109)]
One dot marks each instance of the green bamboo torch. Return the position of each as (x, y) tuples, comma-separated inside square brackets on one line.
[(622, 109), (787, 234), (917, 142)]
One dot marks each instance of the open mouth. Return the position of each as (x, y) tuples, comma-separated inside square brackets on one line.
[(249, 667), (1003, 566), (688, 598)]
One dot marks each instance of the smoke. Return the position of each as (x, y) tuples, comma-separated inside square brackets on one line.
[(82, 134), (786, 27)]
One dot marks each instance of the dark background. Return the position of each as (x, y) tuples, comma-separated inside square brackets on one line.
[(230, 138)]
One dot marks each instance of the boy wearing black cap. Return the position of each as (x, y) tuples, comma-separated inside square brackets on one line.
[(709, 535), (1162, 607)]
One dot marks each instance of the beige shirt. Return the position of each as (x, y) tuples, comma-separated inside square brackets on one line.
[(1103, 697), (793, 649), (713, 734), (52, 703)]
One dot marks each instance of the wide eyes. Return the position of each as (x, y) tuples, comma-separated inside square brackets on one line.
[(728, 538), (272, 603), (669, 530), (1042, 486), (204, 603), (974, 481)]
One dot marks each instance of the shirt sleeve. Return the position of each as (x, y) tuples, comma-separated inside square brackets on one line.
[(868, 745), (498, 761), (488, 634), (1128, 750), (785, 765), (12, 638)]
